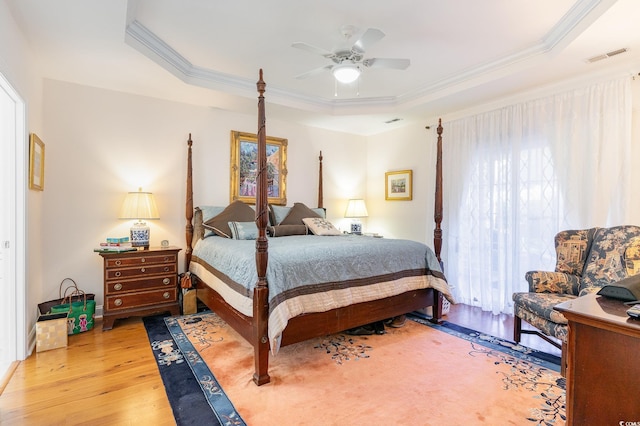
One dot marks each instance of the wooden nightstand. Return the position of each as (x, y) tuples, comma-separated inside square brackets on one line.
[(142, 282)]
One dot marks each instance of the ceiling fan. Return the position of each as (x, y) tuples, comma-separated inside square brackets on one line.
[(348, 62)]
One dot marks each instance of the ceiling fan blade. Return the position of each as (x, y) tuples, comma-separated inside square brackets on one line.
[(371, 36), (398, 64), (313, 49), (314, 72)]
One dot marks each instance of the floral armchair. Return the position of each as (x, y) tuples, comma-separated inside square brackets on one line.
[(587, 260)]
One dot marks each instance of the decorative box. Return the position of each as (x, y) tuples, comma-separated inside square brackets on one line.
[(51, 332)]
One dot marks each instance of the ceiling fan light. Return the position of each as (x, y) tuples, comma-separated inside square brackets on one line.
[(346, 73)]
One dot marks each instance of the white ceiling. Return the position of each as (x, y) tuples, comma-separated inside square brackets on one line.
[(463, 53)]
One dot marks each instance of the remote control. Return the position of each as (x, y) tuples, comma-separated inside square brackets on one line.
[(634, 311)]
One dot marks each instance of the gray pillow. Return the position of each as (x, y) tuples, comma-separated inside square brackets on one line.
[(234, 212), (298, 212)]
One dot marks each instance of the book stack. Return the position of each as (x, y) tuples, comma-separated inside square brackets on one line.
[(116, 245)]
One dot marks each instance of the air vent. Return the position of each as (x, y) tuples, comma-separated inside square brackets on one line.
[(393, 120), (607, 55)]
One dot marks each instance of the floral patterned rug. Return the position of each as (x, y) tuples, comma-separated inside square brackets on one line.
[(419, 374)]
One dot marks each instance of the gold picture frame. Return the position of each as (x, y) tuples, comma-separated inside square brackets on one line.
[(244, 151), (399, 185), (36, 163)]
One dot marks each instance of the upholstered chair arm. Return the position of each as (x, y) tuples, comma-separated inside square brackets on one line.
[(552, 282)]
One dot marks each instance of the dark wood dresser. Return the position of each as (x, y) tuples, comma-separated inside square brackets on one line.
[(603, 371), (142, 282)]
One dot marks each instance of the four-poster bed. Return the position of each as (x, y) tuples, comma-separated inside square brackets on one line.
[(272, 320)]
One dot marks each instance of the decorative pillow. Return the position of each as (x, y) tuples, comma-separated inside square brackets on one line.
[(243, 230), (320, 226), (234, 212), (298, 212), (278, 213), (287, 230)]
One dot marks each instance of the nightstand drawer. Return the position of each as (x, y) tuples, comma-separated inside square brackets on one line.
[(140, 260), (125, 286), (143, 298), (142, 282), (140, 271)]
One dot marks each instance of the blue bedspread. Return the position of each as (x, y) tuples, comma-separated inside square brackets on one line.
[(310, 263)]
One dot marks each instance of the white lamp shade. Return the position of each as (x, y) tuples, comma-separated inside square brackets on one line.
[(139, 205), (346, 73), (356, 208)]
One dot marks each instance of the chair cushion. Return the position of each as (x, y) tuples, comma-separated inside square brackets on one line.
[(559, 331), (572, 249), (541, 305)]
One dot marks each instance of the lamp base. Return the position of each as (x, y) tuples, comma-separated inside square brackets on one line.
[(356, 228), (140, 233)]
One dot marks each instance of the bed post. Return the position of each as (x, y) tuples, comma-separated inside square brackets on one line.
[(189, 208), (261, 291), (437, 233), (320, 196)]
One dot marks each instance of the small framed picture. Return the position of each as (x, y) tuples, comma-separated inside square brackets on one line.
[(399, 185), (36, 163)]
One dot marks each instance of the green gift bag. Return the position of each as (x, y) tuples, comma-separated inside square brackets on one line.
[(80, 313)]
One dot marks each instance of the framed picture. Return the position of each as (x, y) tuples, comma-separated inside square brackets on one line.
[(399, 185), (244, 157), (36, 163)]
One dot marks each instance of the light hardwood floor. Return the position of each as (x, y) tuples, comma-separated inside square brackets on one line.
[(101, 378), (110, 378)]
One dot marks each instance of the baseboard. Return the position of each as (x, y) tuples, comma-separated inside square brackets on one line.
[(99, 311)]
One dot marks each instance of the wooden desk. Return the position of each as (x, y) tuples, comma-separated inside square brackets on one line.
[(603, 366)]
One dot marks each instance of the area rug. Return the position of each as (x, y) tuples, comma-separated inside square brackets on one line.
[(420, 374)]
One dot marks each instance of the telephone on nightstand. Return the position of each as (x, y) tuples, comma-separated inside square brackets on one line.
[(627, 289)]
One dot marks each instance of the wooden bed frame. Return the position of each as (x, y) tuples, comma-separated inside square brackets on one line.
[(306, 326)]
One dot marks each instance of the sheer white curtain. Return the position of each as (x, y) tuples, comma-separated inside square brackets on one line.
[(514, 177)]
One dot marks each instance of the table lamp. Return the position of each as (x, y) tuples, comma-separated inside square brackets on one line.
[(356, 209), (139, 206)]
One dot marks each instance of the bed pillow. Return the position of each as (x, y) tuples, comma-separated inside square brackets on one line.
[(207, 213), (287, 230), (234, 212), (278, 213), (320, 212), (243, 230), (320, 226), (298, 212)]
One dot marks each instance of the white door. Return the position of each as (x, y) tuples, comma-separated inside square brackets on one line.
[(12, 226)]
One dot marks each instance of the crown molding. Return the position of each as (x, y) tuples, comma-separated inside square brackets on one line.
[(572, 24)]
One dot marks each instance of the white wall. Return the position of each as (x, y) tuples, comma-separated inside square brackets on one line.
[(408, 148), (20, 68), (101, 144)]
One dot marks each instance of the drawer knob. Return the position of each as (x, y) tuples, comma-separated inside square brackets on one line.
[(118, 273), (143, 260), (118, 286), (166, 295), (142, 270), (118, 262), (166, 281), (166, 269), (117, 302)]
